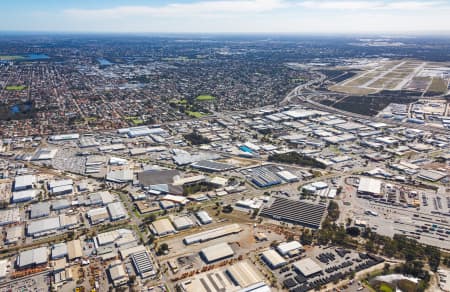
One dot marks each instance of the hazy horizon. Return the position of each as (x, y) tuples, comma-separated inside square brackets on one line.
[(229, 17)]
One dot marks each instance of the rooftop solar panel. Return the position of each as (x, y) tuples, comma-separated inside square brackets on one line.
[(296, 212)]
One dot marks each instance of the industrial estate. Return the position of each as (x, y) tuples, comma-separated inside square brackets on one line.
[(127, 167)]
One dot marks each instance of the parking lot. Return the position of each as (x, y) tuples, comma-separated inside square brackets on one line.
[(336, 264), (36, 283), (420, 223)]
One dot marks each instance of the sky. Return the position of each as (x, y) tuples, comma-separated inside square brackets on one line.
[(227, 16)]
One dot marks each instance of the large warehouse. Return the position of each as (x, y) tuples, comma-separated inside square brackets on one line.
[(307, 267), (289, 248), (212, 234), (162, 227), (295, 212), (182, 222), (216, 252), (273, 259), (32, 257), (143, 264), (212, 166), (239, 277), (369, 186)]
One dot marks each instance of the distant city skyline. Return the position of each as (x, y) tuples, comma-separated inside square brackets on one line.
[(227, 16)]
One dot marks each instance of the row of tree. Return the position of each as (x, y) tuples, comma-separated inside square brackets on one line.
[(296, 158)]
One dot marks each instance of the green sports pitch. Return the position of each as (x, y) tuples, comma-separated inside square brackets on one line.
[(205, 98)]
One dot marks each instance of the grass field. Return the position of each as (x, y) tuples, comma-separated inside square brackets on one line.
[(438, 86), (385, 288), (352, 90), (205, 98), (15, 87), (10, 58), (135, 120), (195, 114)]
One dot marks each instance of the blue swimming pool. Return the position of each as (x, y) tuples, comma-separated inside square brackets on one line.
[(246, 149)]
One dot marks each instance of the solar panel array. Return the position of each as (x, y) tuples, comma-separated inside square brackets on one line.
[(142, 263), (212, 165), (263, 177), (296, 212)]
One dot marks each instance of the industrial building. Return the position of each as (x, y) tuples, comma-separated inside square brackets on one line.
[(97, 215), (143, 264), (102, 198), (41, 209), (24, 196), (273, 259), (117, 211), (31, 258), (120, 176), (24, 182), (43, 226), (60, 204), (14, 234), (212, 234), (212, 166), (288, 176), (50, 225), (64, 137), (307, 267), (263, 177), (119, 237), (117, 274), (431, 175), (295, 212), (74, 249), (182, 222), (60, 187), (239, 277), (3, 268), (162, 227), (247, 277), (204, 217), (212, 281), (289, 248), (369, 186), (58, 250), (44, 154), (141, 131), (216, 252), (9, 216)]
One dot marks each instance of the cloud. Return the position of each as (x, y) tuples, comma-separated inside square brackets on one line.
[(260, 16), (371, 5), (183, 9)]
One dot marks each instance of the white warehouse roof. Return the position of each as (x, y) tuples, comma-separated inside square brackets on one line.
[(273, 258), (287, 247), (217, 252), (307, 267), (369, 185)]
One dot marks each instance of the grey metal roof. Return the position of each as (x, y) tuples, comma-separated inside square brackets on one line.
[(40, 209), (30, 257), (43, 225), (60, 204), (116, 210)]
